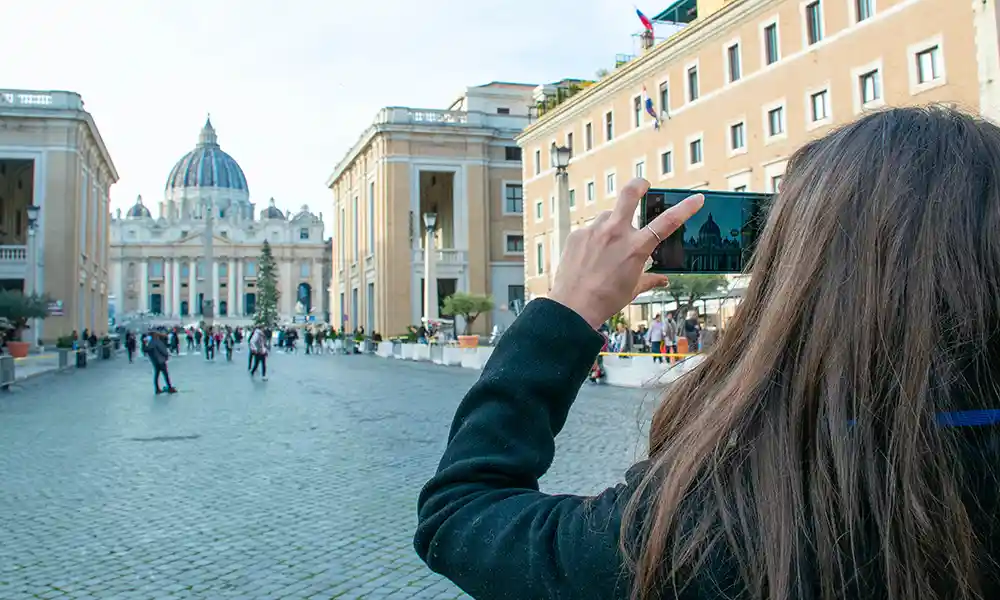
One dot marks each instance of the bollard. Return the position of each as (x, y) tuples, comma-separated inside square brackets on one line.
[(6, 371), (63, 358)]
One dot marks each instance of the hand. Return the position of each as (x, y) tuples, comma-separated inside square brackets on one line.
[(601, 267)]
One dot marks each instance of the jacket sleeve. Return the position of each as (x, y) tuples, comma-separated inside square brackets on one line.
[(482, 521)]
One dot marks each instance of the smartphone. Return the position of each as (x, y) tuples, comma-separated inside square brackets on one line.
[(718, 239)]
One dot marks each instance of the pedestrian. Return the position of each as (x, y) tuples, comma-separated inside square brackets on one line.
[(158, 356), (258, 352), (229, 343), (130, 345)]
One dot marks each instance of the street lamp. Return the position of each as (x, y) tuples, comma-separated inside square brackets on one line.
[(32, 272), (560, 156), (430, 278)]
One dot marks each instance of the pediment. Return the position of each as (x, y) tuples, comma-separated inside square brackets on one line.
[(197, 239)]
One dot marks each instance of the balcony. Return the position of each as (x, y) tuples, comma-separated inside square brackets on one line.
[(448, 256), (448, 118), (13, 262)]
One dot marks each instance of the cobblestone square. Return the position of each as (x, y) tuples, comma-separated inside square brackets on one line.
[(303, 486)]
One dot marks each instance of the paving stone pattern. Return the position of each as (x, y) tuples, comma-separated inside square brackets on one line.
[(304, 486)]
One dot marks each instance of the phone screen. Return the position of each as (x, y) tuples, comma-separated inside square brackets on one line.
[(719, 238)]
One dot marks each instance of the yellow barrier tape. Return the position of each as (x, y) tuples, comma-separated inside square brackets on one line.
[(34, 356), (651, 354)]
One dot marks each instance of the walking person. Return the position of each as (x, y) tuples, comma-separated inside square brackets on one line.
[(229, 342), (159, 355), (656, 338), (258, 352), (130, 345)]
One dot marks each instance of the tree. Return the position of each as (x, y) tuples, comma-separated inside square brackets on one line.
[(688, 289), (467, 306), (266, 314), (16, 309)]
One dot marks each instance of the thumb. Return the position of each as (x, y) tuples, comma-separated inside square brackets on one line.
[(649, 281)]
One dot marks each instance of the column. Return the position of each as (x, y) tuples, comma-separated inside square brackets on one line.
[(168, 283), (231, 286), (144, 285), (215, 287), (192, 287), (318, 293), (240, 308), (116, 288), (175, 291), (284, 283)]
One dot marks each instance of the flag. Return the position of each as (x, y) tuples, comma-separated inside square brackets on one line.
[(647, 102), (645, 21)]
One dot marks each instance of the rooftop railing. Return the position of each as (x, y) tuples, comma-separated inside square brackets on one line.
[(35, 99)]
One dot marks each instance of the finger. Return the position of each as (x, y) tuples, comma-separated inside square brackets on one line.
[(669, 221), (628, 199), (602, 217), (650, 281)]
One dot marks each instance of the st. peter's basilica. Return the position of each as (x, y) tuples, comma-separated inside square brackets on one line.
[(156, 262)]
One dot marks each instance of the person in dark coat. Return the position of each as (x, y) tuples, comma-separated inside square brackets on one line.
[(796, 459), (159, 355)]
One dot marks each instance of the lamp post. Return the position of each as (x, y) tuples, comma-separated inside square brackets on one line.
[(31, 276), (560, 156), (430, 278)]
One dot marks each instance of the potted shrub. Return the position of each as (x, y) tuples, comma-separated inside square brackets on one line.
[(469, 307), (18, 309), (64, 345)]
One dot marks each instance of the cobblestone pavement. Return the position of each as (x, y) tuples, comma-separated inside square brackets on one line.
[(300, 487)]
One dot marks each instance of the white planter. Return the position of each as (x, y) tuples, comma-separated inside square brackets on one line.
[(642, 371), (409, 351), (384, 349), (452, 356), (422, 352)]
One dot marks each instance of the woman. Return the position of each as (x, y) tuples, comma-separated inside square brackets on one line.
[(801, 459), (692, 331)]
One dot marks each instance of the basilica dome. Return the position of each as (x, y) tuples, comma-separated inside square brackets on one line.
[(207, 166), (272, 212)]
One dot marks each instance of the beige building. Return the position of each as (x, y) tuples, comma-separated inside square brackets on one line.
[(52, 156), (460, 164), (738, 87)]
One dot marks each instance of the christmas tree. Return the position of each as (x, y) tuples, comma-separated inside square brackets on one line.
[(267, 290)]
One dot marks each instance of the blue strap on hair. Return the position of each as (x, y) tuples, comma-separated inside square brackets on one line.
[(965, 418)]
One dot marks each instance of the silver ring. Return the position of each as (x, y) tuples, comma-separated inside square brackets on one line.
[(659, 240)]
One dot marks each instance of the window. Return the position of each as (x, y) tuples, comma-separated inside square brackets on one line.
[(370, 217), (512, 153), (609, 126), (572, 199), (185, 271), (637, 111), (863, 9), (734, 63), (640, 169), (819, 106), (928, 65), (665, 98), (539, 258), (870, 87), (588, 137), (503, 111), (304, 233), (666, 163), (251, 268), (737, 136), (814, 22), (513, 199), (772, 52), (539, 210), (695, 152), (776, 121), (776, 183), (223, 270), (590, 192), (609, 181), (569, 143), (515, 297), (514, 244), (200, 270), (304, 270), (356, 234), (552, 205), (692, 83), (156, 268), (538, 162)]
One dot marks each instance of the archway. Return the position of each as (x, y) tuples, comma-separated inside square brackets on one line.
[(223, 308), (304, 296), (185, 311)]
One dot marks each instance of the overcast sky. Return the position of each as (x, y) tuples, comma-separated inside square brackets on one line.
[(290, 84)]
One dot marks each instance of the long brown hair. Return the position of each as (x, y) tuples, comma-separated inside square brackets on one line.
[(802, 459)]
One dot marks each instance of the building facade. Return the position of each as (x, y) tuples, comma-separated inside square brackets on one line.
[(739, 88), (159, 265), (460, 164), (52, 156)]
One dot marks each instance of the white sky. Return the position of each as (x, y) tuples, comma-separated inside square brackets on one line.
[(290, 84)]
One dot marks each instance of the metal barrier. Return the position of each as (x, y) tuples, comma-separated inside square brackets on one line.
[(649, 354)]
